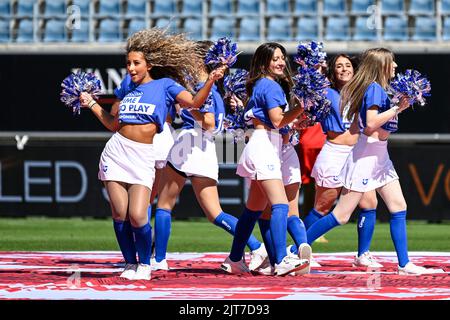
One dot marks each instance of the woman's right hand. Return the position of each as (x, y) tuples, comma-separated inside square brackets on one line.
[(235, 102), (85, 99)]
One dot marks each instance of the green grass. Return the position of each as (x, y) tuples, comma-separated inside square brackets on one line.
[(197, 235)]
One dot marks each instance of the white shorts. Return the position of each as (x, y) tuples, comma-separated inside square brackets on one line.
[(329, 164), (127, 161), (368, 166), (260, 159), (194, 153), (290, 165), (162, 143)]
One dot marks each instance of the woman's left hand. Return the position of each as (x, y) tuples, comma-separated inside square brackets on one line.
[(218, 73)]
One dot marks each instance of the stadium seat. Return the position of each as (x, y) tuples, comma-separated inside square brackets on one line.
[(248, 7), (446, 29), (25, 8), (82, 33), (249, 29), (192, 7), (164, 7), (334, 6), (55, 31), (135, 25), (83, 5), (136, 8), (109, 8), (221, 7), (305, 6), (171, 24), (279, 29), (277, 6), (421, 7), (5, 35), (337, 29), (222, 27), (25, 31), (424, 28), (55, 8), (5, 8), (392, 7), (193, 27), (109, 31), (307, 29), (395, 28), (362, 32), (361, 6), (445, 6)]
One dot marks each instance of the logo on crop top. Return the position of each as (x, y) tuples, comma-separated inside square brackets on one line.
[(131, 105)]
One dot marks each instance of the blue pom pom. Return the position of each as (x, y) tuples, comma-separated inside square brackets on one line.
[(75, 84), (222, 52), (235, 84), (412, 84), (309, 54)]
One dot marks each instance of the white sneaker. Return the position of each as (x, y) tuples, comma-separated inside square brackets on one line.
[(290, 263), (258, 257), (266, 271), (412, 269), (304, 253), (232, 267), (314, 264), (129, 271), (366, 260), (143, 272), (162, 265)]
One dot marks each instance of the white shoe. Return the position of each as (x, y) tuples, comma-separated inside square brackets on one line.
[(129, 271), (290, 263), (314, 264), (258, 257), (266, 271), (162, 265), (412, 269), (366, 260), (232, 267), (143, 272), (304, 253)]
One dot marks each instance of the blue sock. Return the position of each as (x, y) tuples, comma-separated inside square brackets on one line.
[(149, 213), (278, 227), (244, 228), (399, 237), (311, 217), (143, 242), (228, 223), (264, 227), (125, 238), (321, 226), (163, 226), (366, 225), (297, 230)]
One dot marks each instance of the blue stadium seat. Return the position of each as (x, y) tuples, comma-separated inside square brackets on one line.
[(25, 31), (136, 8), (248, 6), (446, 29), (55, 31), (305, 6), (82, 33), (83, 5), (249, 29), (109, 8), (193, 27), (221, 7), (445, 6), (279, 29), (334, 6), (5, 34), (337, 29), (25, 8), (424, 28), (171, 24), (135, 25), (109, 31), (164, 7), (361, 6), (362, 31), (307, 29), (222, 27), (55, 8), (5, 8), (421, 7), (392, 7), (192, 7), (277, 6), (396, 28)]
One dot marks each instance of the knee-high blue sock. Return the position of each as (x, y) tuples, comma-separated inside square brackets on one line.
[(228, 223), (311, 217), (399, 237), (278, 228), (321, 226), (163, 226), (125, 238), (297, 230), (143, 237), (244, 228), (264, 227), (366, 226)]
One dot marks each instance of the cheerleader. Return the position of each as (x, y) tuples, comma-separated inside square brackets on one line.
[(368, 166), (268, 82), (127, 162)]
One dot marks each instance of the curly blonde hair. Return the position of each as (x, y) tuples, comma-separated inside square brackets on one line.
[(171, 55)]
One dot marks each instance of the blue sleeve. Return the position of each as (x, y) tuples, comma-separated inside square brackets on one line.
[(173, 88), (124, 87), (274, 96), (373, 96)]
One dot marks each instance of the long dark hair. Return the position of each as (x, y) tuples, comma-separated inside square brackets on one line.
[(332, 65)]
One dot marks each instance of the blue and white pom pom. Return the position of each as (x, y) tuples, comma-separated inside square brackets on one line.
[(310, 54), (222, 52), (75, 84), (412, 84), (235, 84)]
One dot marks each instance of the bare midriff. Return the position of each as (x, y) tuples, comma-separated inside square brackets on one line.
[(142, 133)]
